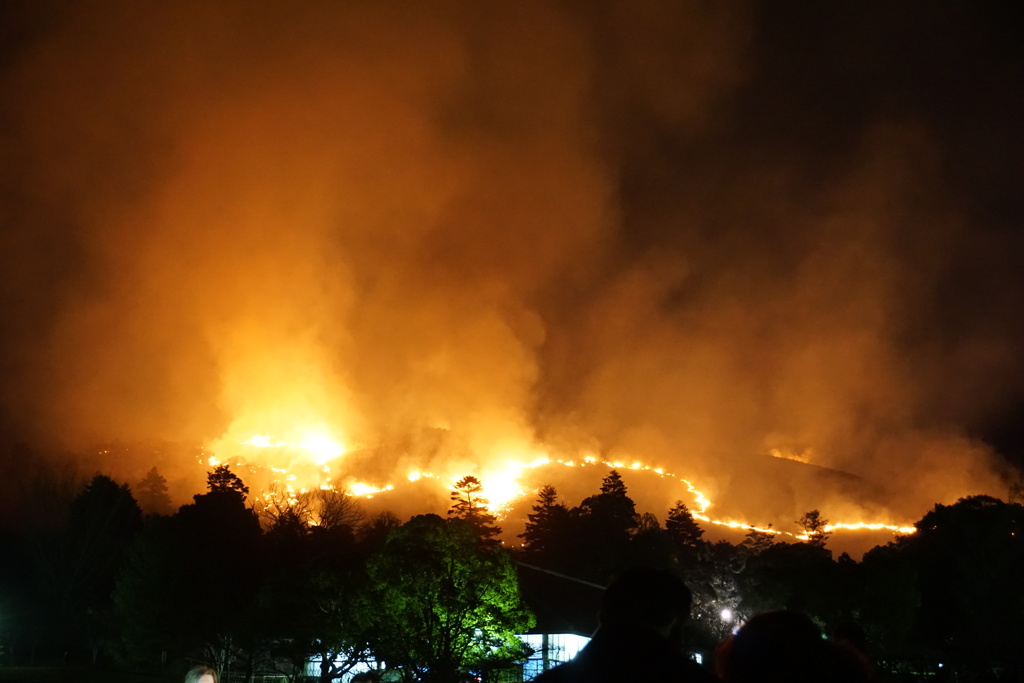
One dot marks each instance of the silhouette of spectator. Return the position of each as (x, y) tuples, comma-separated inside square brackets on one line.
[(850, 635), (785, 646), (640, 612), (200, 673), (366, 677)]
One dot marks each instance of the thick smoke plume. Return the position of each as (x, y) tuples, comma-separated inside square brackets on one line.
[(685, 233)]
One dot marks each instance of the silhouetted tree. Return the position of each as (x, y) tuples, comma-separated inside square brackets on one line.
[(546, 530), (969, 559), (103, 521), (314, 606), (43, 500), (848, 582), (603, 526), (373, 532), (684, 532), (154, 584), (151, 493), (78, 564), (209, 553), (277, 502), (612, 507), (286, 534), (814, 527), (714, 580), (756, 542), (613, 484), (471, 507), (798, 576), (222, 480), (889, 599), (651, 546), (336, 510)]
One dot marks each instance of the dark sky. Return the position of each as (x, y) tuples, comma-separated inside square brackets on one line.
[(690, 232)]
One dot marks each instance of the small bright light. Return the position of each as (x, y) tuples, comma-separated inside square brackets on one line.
[(726, 614)]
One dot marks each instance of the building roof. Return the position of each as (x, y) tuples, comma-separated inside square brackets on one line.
[(561, 603)]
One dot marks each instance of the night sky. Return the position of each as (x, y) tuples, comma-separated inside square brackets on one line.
[(690, 232)]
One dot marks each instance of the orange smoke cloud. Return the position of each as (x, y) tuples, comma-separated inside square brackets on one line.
[(454, 235)]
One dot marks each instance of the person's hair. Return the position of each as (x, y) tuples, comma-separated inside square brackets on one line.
[(785, 647), (773, 646), (198, 671), (644, 595)]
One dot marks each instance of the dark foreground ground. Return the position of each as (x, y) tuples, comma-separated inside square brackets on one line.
[(81, 675)]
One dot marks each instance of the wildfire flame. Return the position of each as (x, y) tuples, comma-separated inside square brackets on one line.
[(319, 446), (502, 485), (363, 489), (805, 457)]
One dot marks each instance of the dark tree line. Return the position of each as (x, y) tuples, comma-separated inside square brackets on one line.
[(268, 585), (316, 580), (952, 592)]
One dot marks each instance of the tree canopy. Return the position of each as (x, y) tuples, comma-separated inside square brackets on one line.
[(222, 480), (547, 527), (814, 526), (445, 603), (683, 529), (151, 492)]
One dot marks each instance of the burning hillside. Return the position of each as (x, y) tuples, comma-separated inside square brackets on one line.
[(284, 470)]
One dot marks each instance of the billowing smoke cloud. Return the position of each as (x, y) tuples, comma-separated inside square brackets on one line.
[(687, 233)]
